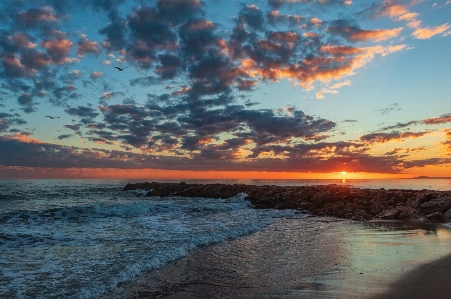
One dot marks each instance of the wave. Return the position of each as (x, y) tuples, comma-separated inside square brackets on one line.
[(127, 208), (90, 249)]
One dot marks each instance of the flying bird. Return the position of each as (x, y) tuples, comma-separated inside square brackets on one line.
[(120, 69), (52, 117)]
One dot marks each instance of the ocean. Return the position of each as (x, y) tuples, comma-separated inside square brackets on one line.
[(82, 238)]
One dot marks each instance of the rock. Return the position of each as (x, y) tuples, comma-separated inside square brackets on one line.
[(327, 200), (390, 214), (441, 204), (407, 213), (358, 218), (435, 216), (447, 215)]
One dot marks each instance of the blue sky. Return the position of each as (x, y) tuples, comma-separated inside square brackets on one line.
[(293, 87)]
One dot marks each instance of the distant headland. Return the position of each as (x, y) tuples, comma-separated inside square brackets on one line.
[(432, 177)]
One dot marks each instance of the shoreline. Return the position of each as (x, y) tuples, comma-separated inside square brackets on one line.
[(360, 204), (429, 280), (308, 257)]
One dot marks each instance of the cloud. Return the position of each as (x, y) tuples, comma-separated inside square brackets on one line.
[(197, 113), (82, 111), (393, 136), (64, 136), (26, 100), (354, 34), (34, 154), (32, 18), (437, 120), (58, 50), (95, 75), (428, 32), (7, 120), (144, 81), (85, 46)]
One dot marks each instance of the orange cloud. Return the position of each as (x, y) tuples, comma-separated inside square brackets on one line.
[(86, 46), (438, 120), (22, 41), (376, 35), (428, 32), (58, 49), (393, 136), (310, 34), (201, 25), (286, 37), (96, 74), (394, 10), (341, 50), (22, 137)]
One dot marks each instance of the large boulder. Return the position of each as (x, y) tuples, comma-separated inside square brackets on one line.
[(441, 204), (408, 213), (390, 214), (447, 215)]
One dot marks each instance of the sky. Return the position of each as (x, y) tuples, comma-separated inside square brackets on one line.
[(271, 89)]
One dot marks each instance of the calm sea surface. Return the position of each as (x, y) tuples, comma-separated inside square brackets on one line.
[(80, 238)]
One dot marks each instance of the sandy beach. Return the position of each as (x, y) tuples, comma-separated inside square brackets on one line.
[(309, 257)]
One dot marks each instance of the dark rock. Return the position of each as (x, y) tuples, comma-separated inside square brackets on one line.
[(328, 200), (390, 214), (435, 216), (407, 213), (441, 204), (447, 215)]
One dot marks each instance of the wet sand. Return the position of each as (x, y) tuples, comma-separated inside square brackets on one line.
[(431, 280), (308, 258)]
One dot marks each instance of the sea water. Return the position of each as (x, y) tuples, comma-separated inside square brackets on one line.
[(80, 238)]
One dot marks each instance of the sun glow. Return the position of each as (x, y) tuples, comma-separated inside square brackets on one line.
[(343, 172)]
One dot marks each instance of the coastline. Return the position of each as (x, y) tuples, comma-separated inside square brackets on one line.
[(430, 280), (306, 257)]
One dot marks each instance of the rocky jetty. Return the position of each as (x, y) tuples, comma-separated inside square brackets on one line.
[(322, 200)]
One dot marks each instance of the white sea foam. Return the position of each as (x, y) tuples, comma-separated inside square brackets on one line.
[(84, 248)]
